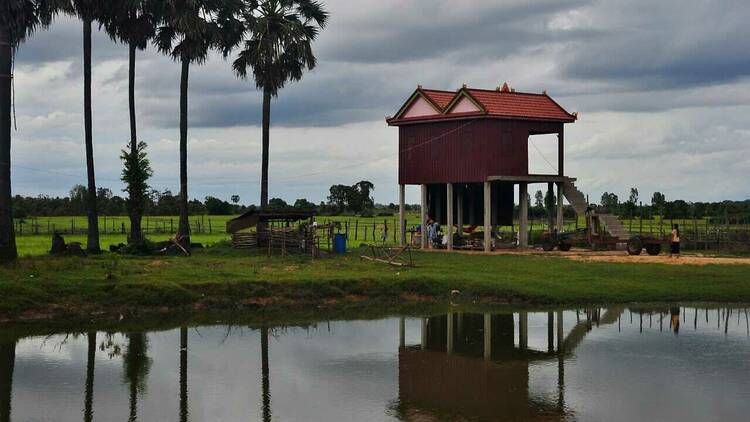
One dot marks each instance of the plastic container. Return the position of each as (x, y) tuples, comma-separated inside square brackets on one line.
[(339, 243)]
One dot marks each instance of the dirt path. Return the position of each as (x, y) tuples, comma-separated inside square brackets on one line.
[(621, 257)]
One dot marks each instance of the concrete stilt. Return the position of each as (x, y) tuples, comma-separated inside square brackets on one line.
[(487, 217), (487, 336), (449, 208), (523, 215), (402, 214), (560, 219), (423, 211), (460, 211)]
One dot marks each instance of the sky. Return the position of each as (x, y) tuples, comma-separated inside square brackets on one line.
[(662, 91)]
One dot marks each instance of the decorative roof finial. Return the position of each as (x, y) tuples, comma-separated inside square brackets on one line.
[(463, 86), (419, 86), (505, 87), (544, 92)]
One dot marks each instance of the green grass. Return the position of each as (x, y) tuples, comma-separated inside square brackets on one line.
[(222, 278)]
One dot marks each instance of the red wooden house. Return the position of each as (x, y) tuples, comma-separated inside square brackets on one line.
[(467, 149)]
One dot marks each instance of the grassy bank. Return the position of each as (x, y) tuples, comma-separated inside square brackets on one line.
[(221, 278)]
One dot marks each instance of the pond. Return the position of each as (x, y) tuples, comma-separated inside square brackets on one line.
[(620, 363)]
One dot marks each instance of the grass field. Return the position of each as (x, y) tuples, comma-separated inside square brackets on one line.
[(34, 235), (223, 278)]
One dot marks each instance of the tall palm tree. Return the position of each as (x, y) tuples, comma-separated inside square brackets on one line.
[(18, 20), (278, 50), (88, 401), (89, 11), (190, 30), (133, 22), (7, 363)]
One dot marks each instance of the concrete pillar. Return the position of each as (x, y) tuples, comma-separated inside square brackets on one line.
[(523, 330), (424, 334), (559, 331), (460, 211), (449, 208), (401, 332), (523, 215), (402, 213), (449, 342), (487, 336), (561, 153), (487, 216), (550, 215), (560, 219), (423, 211)]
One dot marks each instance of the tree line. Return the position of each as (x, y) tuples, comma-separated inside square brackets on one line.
[(271, 41), (675, 209)]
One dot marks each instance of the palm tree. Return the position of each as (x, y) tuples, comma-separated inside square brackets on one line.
[(189, 30), (18, 20), (278, 50), (88, 401), (89, 11), (133, 22), (7, 363)]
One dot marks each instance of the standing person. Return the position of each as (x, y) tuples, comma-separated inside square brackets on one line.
[(674, 247)]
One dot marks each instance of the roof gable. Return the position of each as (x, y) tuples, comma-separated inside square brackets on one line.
[(420, 107)]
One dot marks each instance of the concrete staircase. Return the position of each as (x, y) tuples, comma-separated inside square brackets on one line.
[(611, 223)]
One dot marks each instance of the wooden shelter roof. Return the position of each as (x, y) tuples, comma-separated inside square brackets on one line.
[(253, 217)]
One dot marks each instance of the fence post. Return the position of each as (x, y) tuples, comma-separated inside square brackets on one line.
[(356, 229)]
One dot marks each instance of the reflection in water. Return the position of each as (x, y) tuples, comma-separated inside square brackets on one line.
[(456, 366), (136, 365), (7, 362), (183, 374), (265, 378), (88, 407)]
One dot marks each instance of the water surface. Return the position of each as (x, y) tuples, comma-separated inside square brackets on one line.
[(662, 363)]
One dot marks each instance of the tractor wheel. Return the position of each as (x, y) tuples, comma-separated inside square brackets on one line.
[(565, 247), (548, 245), (653, 249), (635, 246)]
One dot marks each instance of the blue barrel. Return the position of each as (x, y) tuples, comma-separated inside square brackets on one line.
[(339, 243)]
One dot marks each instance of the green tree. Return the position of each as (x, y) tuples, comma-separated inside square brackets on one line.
[(189, 30), (658, 200), (18, 20), (136, 366), (135, 173), (539, 199), (278, 49)]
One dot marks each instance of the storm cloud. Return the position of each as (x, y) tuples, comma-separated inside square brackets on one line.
[(660, 86)]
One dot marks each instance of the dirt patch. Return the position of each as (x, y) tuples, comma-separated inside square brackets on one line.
[(661, 259)]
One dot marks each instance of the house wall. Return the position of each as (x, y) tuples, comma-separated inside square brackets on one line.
[(466, 151)]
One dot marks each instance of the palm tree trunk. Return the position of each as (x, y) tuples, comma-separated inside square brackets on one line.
[(7, 363), (136, 208), (184, 226), (8, 251), (266, 142), (265, 378), (88, 409), (93, 220)]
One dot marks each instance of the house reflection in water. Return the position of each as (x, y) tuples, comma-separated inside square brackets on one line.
[(470, 366)]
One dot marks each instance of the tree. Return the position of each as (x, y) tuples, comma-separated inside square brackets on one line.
[(89, 11), (235, 199), (539, 199), (278, 50), (188, 31), (216, 206), (610, 201), (135, 173), (136, 366), (657, 201), (303, 204), (277, 204), (133, 22), (18, 20)]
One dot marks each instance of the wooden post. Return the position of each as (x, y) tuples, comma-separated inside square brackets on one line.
[(402, 214), (401, 332), (550, 332), (449, 208), (356, 229), (523, 330), (559, 331), (487, 216), (561, 152), (423, 210), (424, 334), (523, 215)]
